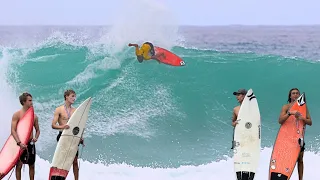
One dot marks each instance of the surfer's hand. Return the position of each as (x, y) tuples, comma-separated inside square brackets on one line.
[(234, 123), (82, 142), (65, 126), (34, 139), (297, 115), (23, 146), (135, 45), (293, 112)]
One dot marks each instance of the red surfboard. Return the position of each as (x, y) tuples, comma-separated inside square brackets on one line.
[(168, 57), (10, 153), (287, 146)]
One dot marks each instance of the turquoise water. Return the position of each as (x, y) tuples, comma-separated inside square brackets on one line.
[(176, 120)]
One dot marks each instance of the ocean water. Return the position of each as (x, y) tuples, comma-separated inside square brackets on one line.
[(150, 120)]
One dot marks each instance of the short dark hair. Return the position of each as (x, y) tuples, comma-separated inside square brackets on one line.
[(68, 92), (23, 97)]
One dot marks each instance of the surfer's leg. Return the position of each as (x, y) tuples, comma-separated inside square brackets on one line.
[(159, 55), (76, 167), (31, 171), (18, 170), (31, 160), (300, 165)]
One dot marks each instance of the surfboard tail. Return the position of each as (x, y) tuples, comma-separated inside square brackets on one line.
[(278, 176), (58, 174)]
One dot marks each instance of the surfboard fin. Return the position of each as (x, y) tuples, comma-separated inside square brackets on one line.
[(278, 176), (245, 175), (301, 142)]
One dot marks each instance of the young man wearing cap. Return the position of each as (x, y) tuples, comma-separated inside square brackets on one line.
[(240, 94)]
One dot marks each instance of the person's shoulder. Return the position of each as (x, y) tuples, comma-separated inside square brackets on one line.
[(285, 107), (58, 109), (17, 113)]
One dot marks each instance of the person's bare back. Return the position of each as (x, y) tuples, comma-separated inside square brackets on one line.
[(236, 110)]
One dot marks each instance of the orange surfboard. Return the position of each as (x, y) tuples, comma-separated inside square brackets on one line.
[(169, 57), (10, 153), (288, 143)]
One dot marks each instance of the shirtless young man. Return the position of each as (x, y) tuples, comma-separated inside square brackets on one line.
[(61, 116), (29, 154), (240, 94), (294, 93)]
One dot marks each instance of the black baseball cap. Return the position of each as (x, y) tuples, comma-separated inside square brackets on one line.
[(240, 91)]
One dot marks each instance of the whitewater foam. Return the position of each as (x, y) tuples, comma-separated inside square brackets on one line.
[(9, 101), (216, 170)]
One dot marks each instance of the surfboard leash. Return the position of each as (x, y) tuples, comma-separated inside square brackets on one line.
[(80, 155), (11, 173), (232, 146)]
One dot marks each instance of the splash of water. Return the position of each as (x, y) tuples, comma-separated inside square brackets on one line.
[(7, 106), (140, 21)]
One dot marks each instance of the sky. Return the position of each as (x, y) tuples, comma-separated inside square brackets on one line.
[(186, 12)]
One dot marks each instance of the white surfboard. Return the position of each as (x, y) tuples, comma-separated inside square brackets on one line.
[(247, 138), (67, 146)]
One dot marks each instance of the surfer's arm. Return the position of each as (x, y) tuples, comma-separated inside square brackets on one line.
[(283, 115), (55, 120), (234, 118), (36, 126), (307, 120), (135, 45), (14, 122)]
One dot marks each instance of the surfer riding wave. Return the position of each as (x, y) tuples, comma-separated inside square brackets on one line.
[(146, 52)]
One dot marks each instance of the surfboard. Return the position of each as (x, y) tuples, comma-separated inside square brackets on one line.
[(247, 138), (10, 152), (67, 146), (287, 147), (168, 57)]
